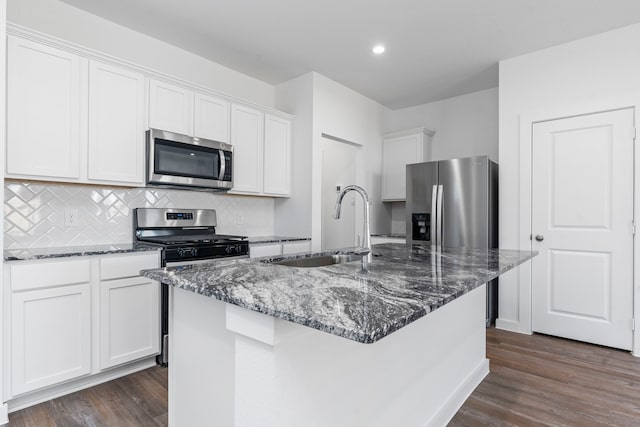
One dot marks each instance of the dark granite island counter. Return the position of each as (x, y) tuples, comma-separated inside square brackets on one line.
[(287, 346)]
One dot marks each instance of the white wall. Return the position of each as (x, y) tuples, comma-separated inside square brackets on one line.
[(464, 126), (343, 113), (69, 23), (322, 106), (293, 216), (584, 76)]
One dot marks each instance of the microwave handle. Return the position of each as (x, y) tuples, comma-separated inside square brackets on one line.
[(222, 165)]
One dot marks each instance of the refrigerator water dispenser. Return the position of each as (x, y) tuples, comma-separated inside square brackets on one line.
[(421, 229)]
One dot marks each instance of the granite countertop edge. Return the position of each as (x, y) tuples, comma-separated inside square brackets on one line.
[(309, 300), (29, 254)]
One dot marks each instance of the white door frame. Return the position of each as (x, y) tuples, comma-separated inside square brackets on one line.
[(527, 120)]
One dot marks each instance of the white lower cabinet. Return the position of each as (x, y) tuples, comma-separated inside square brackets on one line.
[(50, 336), (296, 247), (276, 249), (129, 320), (72, 319)]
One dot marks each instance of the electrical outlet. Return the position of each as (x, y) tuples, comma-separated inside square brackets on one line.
[(239, 219), (71, 217)]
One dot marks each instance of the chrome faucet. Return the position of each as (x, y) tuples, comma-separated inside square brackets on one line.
[(365, 249)]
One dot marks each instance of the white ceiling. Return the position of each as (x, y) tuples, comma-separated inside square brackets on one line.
[(435, 48)]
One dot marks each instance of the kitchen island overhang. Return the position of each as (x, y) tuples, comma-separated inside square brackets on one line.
[(238, 367)]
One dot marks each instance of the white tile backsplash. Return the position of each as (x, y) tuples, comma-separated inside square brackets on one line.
[(34, 214)]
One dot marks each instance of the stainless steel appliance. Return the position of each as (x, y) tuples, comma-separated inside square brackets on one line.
[(186, 236), (175, 160), (455, 203)]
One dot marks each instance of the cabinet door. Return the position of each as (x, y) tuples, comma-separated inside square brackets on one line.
[(247, 138), (116, 125), (396, 154), (170, 108), (50, 336), (129, 320), (211, 118), (43, 116), (257, 251), (296, 247), (277, 156)]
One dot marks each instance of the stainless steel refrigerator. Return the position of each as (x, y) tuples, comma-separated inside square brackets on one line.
[(455, 203)]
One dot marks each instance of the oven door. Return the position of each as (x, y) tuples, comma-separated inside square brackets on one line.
[(163, 357), (179, 160)]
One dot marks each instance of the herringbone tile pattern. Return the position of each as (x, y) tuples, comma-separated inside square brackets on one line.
[(34, 214)]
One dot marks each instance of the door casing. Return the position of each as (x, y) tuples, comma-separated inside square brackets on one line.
[(521, 278)]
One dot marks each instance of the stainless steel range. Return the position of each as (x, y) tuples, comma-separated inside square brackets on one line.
[(186, 236)]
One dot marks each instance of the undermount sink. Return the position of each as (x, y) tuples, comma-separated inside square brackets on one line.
[(320, 261)]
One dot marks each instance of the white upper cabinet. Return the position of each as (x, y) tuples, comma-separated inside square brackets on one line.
[(398, 150), (247, 138), (71, 119), (43, 115), (211, 118), (277, 156), (170, 108), (262, 152), (116, 124)]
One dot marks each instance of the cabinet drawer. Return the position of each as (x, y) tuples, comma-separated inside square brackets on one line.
[(128, 265), (47, 274), (296, 247), (265, 250)]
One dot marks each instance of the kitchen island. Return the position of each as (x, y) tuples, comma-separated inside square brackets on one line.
[(255, 343)]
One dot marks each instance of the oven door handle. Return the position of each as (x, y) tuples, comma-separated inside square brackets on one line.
[(223, 165)]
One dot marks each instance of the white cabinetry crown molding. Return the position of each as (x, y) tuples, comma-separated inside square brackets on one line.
[(37, 36), (404, 132)]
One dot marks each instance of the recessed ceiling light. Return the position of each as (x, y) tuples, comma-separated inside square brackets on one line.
[(378, 49)]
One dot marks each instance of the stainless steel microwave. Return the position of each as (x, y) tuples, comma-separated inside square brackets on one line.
[(180, 161)]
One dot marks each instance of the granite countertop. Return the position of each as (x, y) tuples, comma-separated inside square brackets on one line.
[(391, 235), (71, 251), (403, 285), (275, 239)]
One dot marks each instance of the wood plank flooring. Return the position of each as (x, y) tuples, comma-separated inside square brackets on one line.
[(534, 381), (137, 400), (540, 380)]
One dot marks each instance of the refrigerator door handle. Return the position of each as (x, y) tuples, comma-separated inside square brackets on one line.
[(434, 214), (439, 210)]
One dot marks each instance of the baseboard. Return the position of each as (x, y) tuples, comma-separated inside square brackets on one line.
[(4, 414), (511, 326), (40, 396), (459, 396)]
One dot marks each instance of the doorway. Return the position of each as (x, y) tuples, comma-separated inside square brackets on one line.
[(582, 227), (338, 171)]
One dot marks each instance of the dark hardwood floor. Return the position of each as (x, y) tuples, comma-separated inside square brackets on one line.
[(540, 380), (136, 400), (534, 381)]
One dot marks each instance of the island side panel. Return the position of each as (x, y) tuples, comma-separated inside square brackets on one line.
[(419, 375), (201, 361)]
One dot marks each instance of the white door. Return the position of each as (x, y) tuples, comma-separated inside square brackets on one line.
[(129, 320), (170, 108), (277, 156), (116, 125), (582, 280), (43, 111), (211, 118), (50, 336), (247, 138), (338, 171)]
